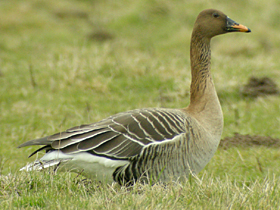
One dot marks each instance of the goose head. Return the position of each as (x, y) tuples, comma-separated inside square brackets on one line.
[(211, 22)]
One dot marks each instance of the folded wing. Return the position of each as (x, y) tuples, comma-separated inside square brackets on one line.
[(120, 136)]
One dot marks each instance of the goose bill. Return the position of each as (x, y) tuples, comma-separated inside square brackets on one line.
[(233, 26)]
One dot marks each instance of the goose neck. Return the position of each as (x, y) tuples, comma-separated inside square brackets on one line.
[(200, 55), (204, 103)]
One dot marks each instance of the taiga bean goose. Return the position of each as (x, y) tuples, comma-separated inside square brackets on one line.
[(153, 143)]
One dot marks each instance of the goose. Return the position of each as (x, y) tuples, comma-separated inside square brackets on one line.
[(149, 144)]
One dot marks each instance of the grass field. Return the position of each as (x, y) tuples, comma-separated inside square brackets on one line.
[(66, 63)]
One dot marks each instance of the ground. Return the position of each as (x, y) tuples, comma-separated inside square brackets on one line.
[(67, 63)]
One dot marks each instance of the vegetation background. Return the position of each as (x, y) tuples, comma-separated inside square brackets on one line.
[(65, 63)]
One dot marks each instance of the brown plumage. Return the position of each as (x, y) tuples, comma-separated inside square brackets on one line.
[(155, 143)]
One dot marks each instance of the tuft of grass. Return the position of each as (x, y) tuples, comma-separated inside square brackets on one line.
[(66, 63)]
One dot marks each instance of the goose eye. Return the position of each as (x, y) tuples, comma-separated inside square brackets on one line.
[(216, 15)]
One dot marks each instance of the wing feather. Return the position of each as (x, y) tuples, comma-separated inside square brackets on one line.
[(61, 143), (95, 141), (120, 136)]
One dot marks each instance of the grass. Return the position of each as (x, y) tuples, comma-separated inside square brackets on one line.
[(46, 191), (65, 63)]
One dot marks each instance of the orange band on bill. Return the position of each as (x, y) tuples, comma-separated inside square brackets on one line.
[(240, 28)]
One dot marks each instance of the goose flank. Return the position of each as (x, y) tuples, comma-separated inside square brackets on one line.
[(152, 144)]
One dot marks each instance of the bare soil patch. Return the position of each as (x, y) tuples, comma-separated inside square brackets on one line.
[(239, 140), (259, 87), (100, 36)]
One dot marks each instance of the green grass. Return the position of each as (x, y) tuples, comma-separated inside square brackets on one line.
[(55, 74)]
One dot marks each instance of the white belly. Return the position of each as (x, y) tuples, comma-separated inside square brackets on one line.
[(91, 166)]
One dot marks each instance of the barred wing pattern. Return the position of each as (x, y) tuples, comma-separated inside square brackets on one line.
[(119, 137)]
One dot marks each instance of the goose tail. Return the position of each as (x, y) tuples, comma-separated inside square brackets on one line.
[(39, 165)]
